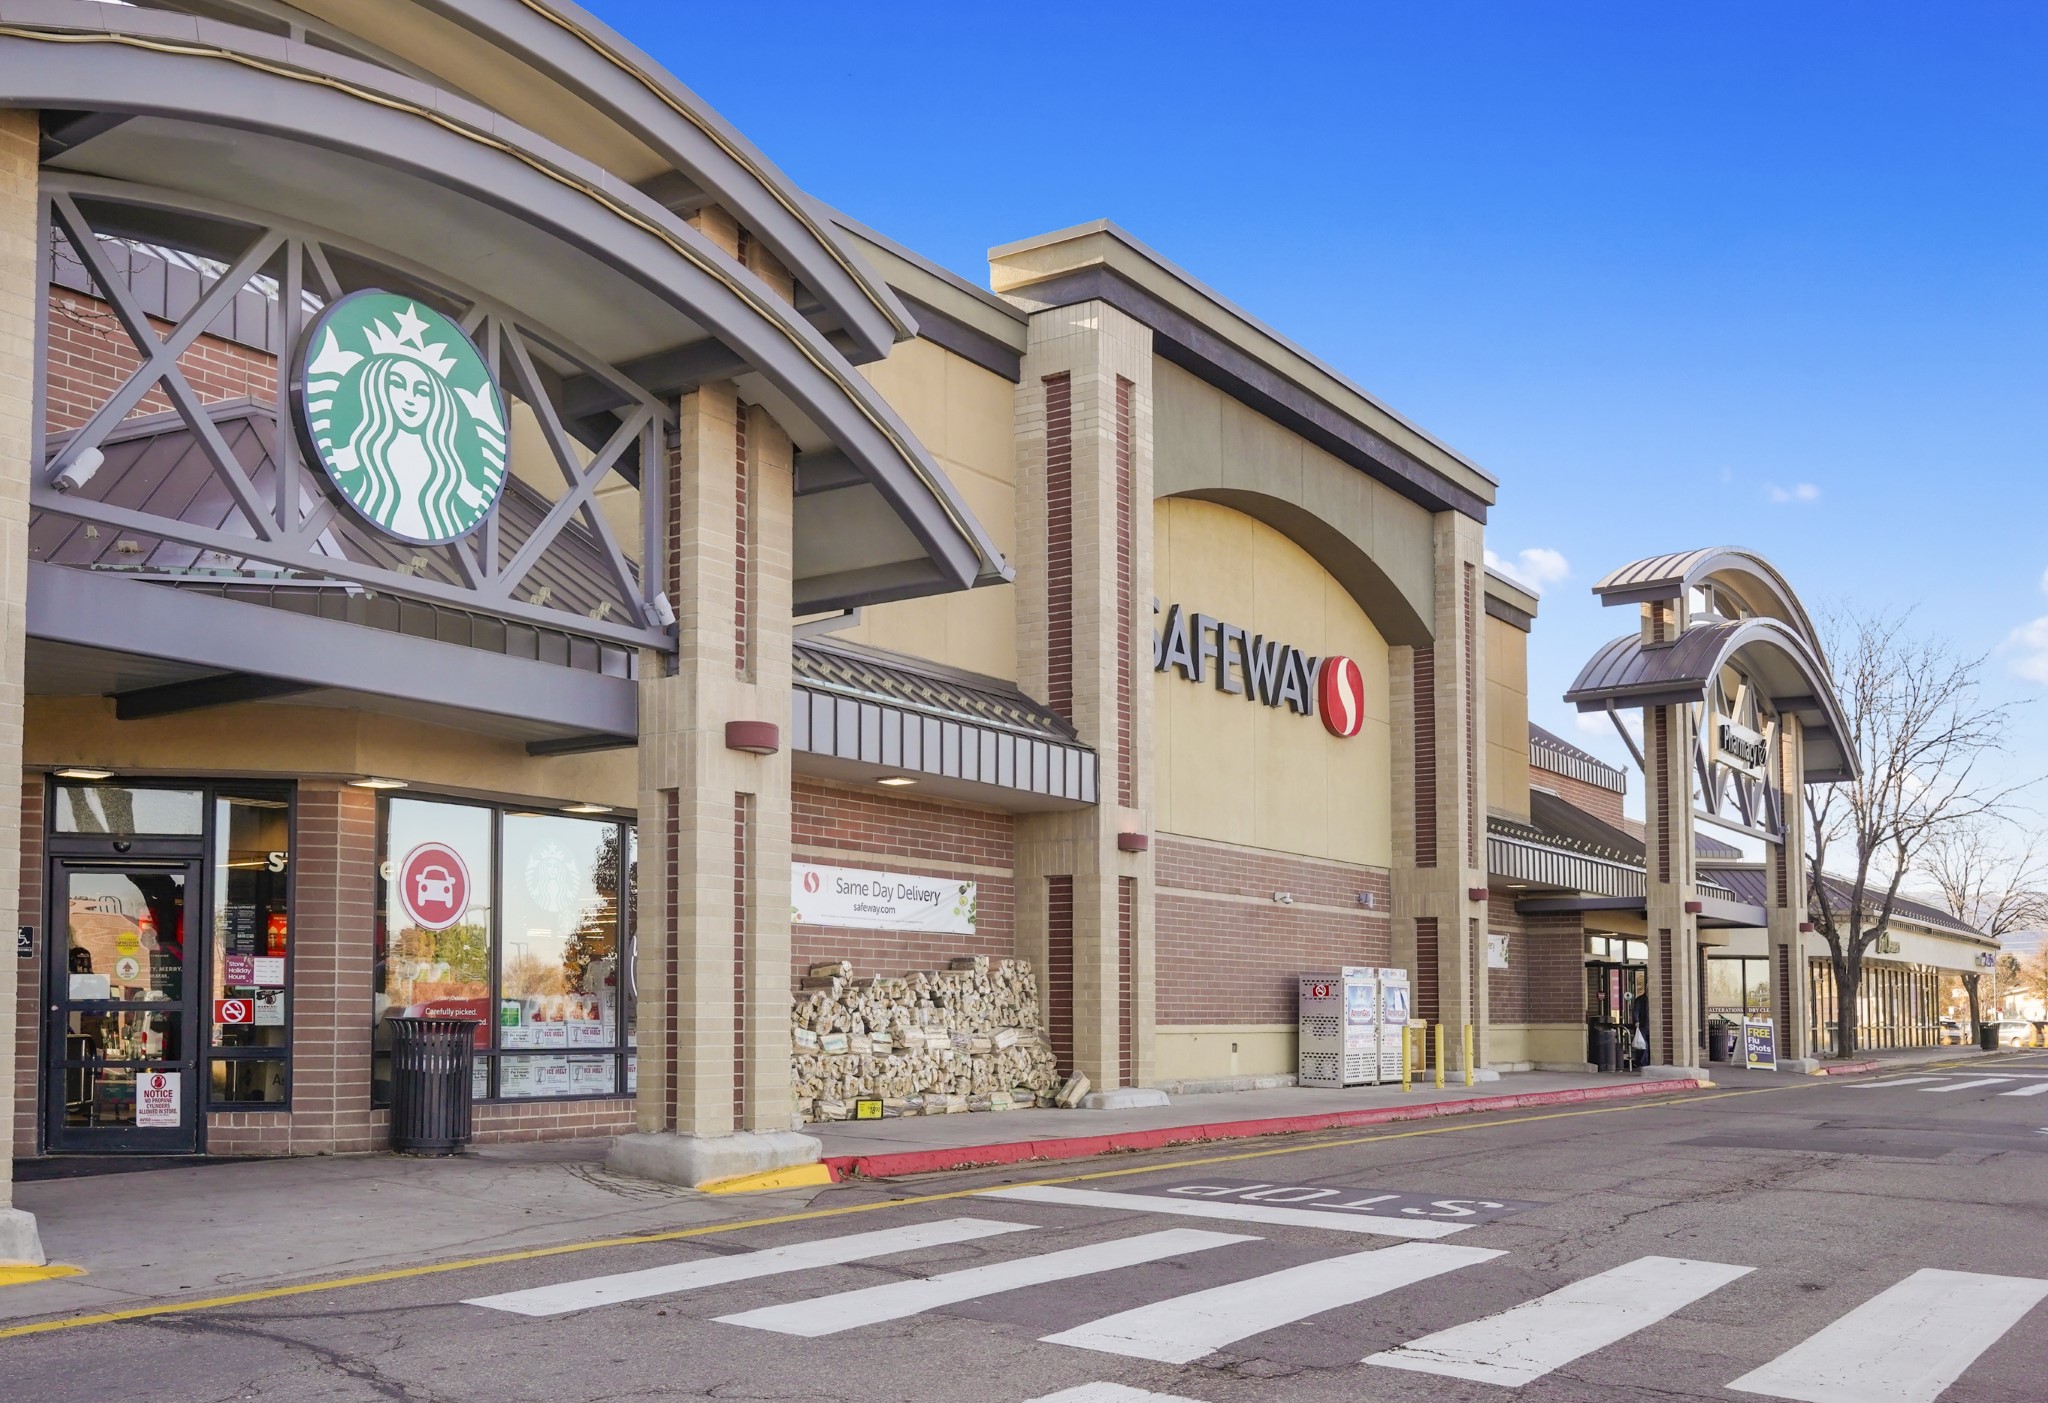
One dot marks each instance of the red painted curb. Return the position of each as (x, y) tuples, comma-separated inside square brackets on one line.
[(1843, 1069), (883, 1166)]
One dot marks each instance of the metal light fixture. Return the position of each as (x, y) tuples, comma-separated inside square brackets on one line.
[(586, 808), (896, 781), (84, 773), (373, 782)]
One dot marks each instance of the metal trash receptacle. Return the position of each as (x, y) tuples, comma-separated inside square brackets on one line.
[(431, 1061), (1987, 1036)]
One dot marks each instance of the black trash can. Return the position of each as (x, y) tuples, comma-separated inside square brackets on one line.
[(1987, 1036), (1721, 1042), (431, 1060)]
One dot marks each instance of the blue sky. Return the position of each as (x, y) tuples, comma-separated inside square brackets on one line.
[(1677, 275)]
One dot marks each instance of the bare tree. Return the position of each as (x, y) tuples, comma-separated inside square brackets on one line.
[(1992, 874), (1924, 736)]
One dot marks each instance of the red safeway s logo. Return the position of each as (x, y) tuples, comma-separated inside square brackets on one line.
[(233, 1011), (433, 886), (811, 881), (1340, 697)]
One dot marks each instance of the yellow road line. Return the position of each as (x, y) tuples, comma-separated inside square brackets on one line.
[(342, 1283), (20, 1273)]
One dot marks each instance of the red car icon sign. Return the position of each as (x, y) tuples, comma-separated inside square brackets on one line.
[(435, 887)]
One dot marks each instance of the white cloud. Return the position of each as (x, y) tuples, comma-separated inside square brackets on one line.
[(2029, 646), (1535, 567), (1803, 492)]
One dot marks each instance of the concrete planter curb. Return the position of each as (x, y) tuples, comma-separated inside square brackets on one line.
[(881, 1166)]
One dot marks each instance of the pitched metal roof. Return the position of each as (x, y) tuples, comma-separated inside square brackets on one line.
[(1748, 883), (1554, 753), (875, 674)]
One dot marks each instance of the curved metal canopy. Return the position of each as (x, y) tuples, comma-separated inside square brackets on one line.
[(519, 194), (1754, 582), (1778, 660)]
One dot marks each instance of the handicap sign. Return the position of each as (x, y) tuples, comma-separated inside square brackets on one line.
[(1759, 1044)]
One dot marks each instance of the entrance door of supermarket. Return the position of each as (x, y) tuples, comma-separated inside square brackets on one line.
[(121, 1010)]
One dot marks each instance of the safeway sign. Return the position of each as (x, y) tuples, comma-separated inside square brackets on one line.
[(865, 899)]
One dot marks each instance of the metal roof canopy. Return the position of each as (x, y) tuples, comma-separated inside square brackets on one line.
[(219, 116)]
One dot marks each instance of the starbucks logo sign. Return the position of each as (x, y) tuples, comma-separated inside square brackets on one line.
[(401, 411)]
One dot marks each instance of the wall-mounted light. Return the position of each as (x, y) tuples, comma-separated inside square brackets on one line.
[(896, 781), (586, 808), (374, 782), (1475, 893), (1369, 900), (81, 772), (1693, 908), (1133, 842), (754, 737), (1283, 898)]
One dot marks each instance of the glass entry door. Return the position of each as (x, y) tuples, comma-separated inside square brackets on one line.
[(122, 982)]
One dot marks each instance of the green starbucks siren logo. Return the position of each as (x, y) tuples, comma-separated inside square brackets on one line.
[(402, 412)]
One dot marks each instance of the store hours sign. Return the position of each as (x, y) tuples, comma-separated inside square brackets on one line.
[(863, 898)]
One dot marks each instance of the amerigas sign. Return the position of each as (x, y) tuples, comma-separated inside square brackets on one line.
[(866, 899), (1263, 670)]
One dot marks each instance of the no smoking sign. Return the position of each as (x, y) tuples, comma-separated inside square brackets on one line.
[(234, 1011)]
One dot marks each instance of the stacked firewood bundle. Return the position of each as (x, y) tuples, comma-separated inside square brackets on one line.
[(933, 1042)]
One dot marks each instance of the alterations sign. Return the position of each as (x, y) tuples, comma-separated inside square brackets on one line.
[(866, 899)]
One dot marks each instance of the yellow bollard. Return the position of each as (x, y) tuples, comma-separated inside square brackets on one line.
[(1439, 1057), (1468, 1054), (1405, 1068)]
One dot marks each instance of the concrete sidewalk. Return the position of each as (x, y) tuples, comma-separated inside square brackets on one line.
[(206, 1231)]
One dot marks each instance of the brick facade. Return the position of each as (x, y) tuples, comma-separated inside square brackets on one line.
[(844, 826), (28, 990), (1545, 981), (91, 357), (1228, 953), (1603, 804)]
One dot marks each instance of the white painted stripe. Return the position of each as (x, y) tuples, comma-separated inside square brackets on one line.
[(2034, 1090), (1551, 1331), (1904, 1345), (1108, 1393), (1966, 1085), (828, 1315), (745, 1266), (1895, 1081), (1234, 1212), (1185, 1328)]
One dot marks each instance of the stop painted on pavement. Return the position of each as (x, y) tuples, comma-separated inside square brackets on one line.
[(1375, 1203)]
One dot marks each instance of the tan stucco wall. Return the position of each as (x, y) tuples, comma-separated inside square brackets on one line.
[(1237, 771), (1551, 1043), (270, 738), (1507, 718), (1209, 1052), (964, 415)]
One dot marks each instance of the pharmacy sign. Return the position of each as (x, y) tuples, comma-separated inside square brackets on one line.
[(398, 406)]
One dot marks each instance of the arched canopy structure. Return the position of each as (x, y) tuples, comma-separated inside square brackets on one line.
[(1726, 608), (222, 128)]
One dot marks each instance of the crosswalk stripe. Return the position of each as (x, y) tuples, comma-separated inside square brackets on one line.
[(1904, 1345), (1973, 1081), (1108, 1393), (1551, 1331), (828, 1315), (2035, 1090), (1185, 1328), (744, 1266), (1234, 1212), (1895, 1081)]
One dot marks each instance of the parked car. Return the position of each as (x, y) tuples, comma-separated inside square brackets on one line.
[(1952, 1031), (2016, 1032)]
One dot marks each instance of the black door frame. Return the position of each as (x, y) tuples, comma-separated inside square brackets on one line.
[(70, 853)]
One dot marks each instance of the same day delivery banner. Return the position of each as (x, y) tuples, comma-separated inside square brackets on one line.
[(867, 899)]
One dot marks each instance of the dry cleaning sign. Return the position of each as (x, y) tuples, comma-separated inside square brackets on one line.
[(1261, 669), (866, 899)]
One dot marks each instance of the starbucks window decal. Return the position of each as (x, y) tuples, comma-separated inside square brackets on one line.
[(402, 413)]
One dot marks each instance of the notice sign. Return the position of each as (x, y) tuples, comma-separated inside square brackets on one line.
[(25, 942), (235, 1012), (159, 1101), (866, 899), (1759, 1044)]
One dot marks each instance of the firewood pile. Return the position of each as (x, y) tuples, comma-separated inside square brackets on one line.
[(933, 1042)]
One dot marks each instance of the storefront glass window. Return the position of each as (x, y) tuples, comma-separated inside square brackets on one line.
[(1738, 987), (558, 959), (120, 812), (519, 920), (250, 1022)]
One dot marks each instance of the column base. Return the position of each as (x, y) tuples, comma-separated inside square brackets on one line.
[(19, 1241), (1805, 1066), (1124, 1098), (1674, 1074), (695, 1160)]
